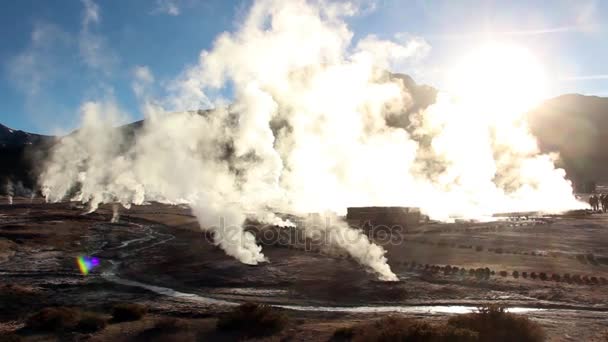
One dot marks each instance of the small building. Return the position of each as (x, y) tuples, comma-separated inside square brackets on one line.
[(394, 218)]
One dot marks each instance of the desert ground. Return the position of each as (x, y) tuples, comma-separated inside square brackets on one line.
[(551, 268)]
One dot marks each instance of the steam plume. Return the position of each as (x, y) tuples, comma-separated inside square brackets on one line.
[(10, 191), (306, 132), (115, 214)]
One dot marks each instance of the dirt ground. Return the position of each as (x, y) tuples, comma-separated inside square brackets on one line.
[(163, 248)]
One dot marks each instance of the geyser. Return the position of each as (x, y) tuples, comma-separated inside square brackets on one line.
[(306, 131)]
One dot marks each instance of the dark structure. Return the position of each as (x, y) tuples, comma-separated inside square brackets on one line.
[(395, 218)]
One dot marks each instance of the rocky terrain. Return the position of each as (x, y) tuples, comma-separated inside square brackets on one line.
[(157, 256)]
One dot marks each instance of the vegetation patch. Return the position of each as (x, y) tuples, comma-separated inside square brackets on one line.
[(65, 319), (394, 328), (253, 320), (127, 312), (54, 319), (493, 323), (90, 322)]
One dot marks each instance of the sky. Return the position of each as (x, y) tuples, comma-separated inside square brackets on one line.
[(55, 55)]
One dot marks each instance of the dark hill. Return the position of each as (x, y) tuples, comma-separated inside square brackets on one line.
[(21, 155), (574, 125)]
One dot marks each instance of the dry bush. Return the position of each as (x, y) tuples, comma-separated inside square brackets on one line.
[(170, 325), (394, 328), (482, 273), (17, 298), (53, 319), (127, 312), (65, 319), (447, 270), (10, 337), (493, 323), (89, 322), (253, 320), (168, 329)]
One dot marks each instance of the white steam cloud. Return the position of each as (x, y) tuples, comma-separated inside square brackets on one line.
[(306, 132), (10, 191)]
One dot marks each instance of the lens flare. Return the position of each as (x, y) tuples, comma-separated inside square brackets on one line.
[(86, 264)]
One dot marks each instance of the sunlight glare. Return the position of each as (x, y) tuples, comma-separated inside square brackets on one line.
[(498, 79)]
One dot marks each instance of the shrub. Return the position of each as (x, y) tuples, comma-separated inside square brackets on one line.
[(167, 329), (594, 280), (53, 319), (17, 299), (170, 325), (127, 312), (393, 328), (556, 277), (90, 322), (478, 248), (498, 250), (493, 323), (62, 319), (471, 272), (515, 274), (482, 273), (253, 320), (533, 275), (524, 274), (576, 278), (10, 337), (463, 271), (343, 334), (542, 276), (503, 273), (567, 277), (447, 270)]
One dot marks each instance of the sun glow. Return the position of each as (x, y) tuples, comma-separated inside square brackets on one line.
[(499, 79)]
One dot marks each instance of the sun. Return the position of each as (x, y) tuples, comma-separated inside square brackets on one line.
[(498, 79)]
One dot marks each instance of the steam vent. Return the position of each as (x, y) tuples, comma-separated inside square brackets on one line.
[(393, 217)]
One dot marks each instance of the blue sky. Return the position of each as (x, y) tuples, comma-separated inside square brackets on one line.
[(56, 54)]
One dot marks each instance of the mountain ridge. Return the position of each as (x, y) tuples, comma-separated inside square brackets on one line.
[(573, 125)]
